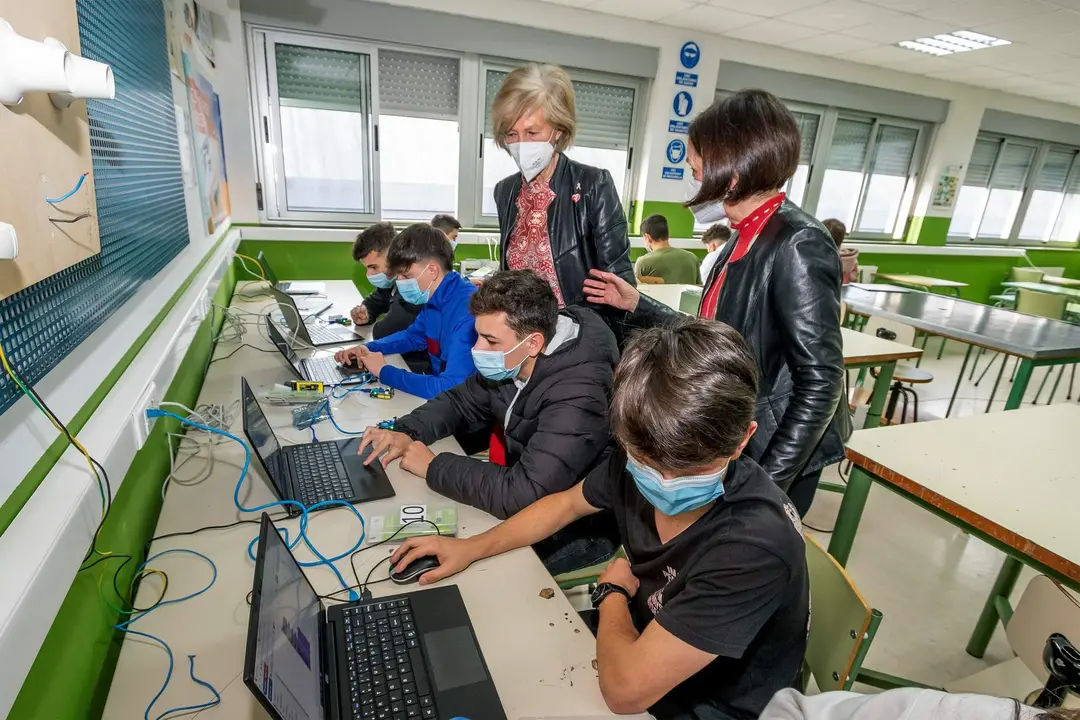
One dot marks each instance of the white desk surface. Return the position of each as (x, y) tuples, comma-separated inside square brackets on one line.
[(1013, 475), (669, 294), (1064, 281), (863, 348), (538, 651)]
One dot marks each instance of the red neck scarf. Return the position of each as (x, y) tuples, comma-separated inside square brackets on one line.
[(748, 228)]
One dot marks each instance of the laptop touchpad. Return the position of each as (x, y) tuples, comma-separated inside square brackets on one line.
[(453, 657)]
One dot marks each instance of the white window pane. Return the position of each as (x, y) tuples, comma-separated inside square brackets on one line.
[(1000, 213), (839, 195), (881, 203), (497, 165), (1068, 222), (324, 157), (614, 161), (1040, 216), (969, 207), (418, 167), (796, 189)]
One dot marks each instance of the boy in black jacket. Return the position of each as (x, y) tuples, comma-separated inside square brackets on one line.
[(542, 388), (384, 306)]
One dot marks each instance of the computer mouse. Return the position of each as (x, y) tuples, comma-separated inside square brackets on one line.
[(351, 363), (414, 570)]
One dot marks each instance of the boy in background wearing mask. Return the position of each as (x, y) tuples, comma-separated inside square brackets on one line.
[(449, 226), (420, 258), (714, 239), (709, 615), (384, 306), (542, 388)]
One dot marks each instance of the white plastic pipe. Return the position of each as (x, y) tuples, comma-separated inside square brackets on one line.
[(9, 242), (30, 66), (86, 79)]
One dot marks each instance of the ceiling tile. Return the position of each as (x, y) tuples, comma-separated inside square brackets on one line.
[(908, 6), (765, 8), (1067, 44), (831, 44), (709, 19), (889, 56), (972, 75), (1033, 29), (904, 27), (583, 4), (775, 32), (1024, 59), (969, 13), (640, 9), (838, 15)]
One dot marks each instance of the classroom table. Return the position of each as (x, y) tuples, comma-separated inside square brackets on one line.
[(1063, 281), (1037, 342), (863, 351), (669, 294), (1011, 479), (538, 651), (923, 282), (1073, 293)]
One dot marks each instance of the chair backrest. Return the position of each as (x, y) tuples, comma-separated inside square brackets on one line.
[(842, 624), (1025, 274), (1041, 304), (1045, 608)]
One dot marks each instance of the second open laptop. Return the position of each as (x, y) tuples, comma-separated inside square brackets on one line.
[(318, 369), (292, 288), (315, 472), (311, 330)]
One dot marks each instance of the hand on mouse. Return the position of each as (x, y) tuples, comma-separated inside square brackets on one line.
[(350, 356), (417, 458), (394, 444), (373, 361), (619, 573), (454, 555)]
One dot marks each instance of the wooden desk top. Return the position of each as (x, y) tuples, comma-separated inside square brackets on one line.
[(1013, 475), (921, 280), (1063, 281), (864, 349)]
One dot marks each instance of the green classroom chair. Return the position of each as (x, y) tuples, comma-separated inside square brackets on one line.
[(842, 624), (1026, 274)]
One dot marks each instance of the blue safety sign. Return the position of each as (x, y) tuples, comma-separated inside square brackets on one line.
[(676, 151), (678, 126), (683, 103), (689, 55), (671, 173), (686, 79)]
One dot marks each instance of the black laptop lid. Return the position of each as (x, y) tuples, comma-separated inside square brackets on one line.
[(267, 270), (263, 441), (284, 348), (284, 657)]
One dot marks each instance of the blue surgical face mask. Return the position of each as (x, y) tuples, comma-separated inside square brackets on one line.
[(679, 495), (380, 280), (492, 363), (411, 292)]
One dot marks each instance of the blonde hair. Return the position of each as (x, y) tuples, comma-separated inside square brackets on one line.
[(530, 87)]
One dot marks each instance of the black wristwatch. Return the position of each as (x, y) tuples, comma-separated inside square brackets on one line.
[(604, 589)]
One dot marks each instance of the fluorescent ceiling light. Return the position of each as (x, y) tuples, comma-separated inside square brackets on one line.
[(951, 43)]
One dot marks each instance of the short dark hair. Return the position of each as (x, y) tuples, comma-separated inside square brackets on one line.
[(749, 139), (720, 232), (446, 223), (837, 229), (418, 243), (376, 238), (655, 226), (684, 394), (528, 301)]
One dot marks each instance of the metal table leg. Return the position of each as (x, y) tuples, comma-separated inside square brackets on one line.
[(1020, 383), (988, 620), (851, 510), (879, 395), (959, 379)]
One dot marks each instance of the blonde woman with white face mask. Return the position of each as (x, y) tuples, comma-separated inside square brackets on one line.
[(557, 217)]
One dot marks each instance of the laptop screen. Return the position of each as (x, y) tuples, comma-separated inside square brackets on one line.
[(287, 656), (263, 441), (267, 270), (284, 347)]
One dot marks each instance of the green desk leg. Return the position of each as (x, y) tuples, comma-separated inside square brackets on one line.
[(851, 510), (1020, 383), (879, 395), (1003, 587)]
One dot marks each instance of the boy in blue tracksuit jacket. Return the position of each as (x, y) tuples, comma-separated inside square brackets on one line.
[(420, 256)]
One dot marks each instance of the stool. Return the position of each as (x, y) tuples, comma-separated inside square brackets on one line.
[(904, 374)]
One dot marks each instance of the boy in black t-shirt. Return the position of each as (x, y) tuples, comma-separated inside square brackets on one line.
[(709, 617)]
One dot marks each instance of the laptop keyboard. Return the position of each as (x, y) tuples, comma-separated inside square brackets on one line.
[(319, 473), (322, 335), (324, 370), (388, 679)]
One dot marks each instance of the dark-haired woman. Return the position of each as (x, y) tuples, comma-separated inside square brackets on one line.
[(777, 283)]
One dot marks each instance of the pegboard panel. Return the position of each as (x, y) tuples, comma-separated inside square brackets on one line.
[(140, 194)]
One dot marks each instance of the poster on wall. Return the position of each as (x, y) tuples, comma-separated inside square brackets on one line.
[(173, 32), (948, 186), (187, 162), (198, 31), (208, 147)]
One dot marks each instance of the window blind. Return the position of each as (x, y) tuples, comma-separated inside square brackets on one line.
[(849, 144), (1013, 167), (604, 112), (317, 77), (808, 127), (894, 149), (1073, 186), (417, 84), (982, 162), (1055, 171)]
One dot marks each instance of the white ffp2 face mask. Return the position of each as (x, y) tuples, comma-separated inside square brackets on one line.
[(706, 213), (531, 157)]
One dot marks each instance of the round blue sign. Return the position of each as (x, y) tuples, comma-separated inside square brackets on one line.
[(683, 103), (689, 54), (676, 151)]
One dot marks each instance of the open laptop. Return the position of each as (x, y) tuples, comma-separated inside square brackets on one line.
[(317, 369), (292, 288), (315, 472), (403, 656), (309, 329)]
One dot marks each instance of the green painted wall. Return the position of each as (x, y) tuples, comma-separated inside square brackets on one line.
[(71, 675), (927, 230), (680, 220)]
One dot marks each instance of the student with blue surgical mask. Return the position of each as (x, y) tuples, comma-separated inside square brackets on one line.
[(707, 616), (541, 391), (450, 227), (419, 259)]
